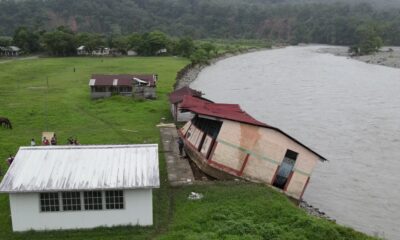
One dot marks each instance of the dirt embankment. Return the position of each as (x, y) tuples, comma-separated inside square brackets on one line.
[(387, 56)]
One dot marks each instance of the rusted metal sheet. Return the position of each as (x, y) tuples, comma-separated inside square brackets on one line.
[(66, 168)]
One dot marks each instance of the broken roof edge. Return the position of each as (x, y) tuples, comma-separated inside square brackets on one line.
[(178, 94), (198, 97)]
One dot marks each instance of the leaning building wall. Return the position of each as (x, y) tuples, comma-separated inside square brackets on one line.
[(255, 153)]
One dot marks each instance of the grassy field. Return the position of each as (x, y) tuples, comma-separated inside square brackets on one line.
[(68, 111), (228, 210)]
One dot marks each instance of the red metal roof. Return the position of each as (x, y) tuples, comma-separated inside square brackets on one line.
[(230, 112), (177, 95), (220, 110), (123, 79)]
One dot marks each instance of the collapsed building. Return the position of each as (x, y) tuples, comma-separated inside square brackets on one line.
[(136, 85), (176, 98), (226, 143)]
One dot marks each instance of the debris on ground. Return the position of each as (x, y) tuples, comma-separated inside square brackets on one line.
[(195, 196), (166, 125)]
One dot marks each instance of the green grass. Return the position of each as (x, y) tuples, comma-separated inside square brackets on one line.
[(228, 210), (246, 211), (68, 111)]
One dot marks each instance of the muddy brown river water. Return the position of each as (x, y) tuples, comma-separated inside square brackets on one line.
[(346, 110)]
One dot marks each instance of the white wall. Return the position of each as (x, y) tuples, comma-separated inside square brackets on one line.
[(26, 214)]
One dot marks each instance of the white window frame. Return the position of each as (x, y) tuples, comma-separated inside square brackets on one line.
[(115, 203), (72, 205), (59, 203), (82, 201)]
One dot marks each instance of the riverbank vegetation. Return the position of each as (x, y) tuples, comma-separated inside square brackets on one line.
[(251, 211), (62, 41)]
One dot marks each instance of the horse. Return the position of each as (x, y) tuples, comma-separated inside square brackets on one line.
[(5, 122)]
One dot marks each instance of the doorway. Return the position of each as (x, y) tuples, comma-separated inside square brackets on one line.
[(285, 169)]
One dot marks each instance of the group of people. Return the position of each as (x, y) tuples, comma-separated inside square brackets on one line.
[(53, 141), (45, 142)]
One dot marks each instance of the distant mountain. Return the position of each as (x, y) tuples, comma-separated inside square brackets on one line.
[(324, 21)]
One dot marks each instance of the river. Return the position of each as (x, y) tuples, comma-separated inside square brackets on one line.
[(346, 110)]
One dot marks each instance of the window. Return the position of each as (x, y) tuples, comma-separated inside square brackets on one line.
[(93, 200), (114, 199), (208, 126), (49, 202), (71, 201)]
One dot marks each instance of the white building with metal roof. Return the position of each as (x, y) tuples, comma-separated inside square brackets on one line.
[(71, 187)]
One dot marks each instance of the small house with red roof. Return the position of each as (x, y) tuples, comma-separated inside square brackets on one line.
[(176, 98), (225, 142), (137, 85)]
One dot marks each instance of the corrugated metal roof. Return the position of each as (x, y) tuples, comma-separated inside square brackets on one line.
[(177, 95), (221, 110), (66, 168)]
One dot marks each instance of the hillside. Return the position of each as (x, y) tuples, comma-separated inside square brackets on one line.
[(331, 22)]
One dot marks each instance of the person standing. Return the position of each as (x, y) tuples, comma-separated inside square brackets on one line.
[(180, 145), (10, 159), (33, 143), (45, 141), (53, 141)]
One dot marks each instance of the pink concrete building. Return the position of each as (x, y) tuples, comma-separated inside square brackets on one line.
[(225, 142)]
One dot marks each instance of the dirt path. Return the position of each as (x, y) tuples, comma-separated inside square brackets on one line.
[(179, 170), (19, 59)]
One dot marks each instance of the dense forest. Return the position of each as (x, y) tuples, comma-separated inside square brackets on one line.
[(291, 21)]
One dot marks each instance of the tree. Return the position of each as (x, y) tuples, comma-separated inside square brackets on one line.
[(185, 47), (121, 43), (5, 41), (26, 39), (91, 41), (210, 49), (153, 42), (368, 40), (60, 42), (135, 40), (199, 57)]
